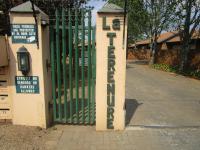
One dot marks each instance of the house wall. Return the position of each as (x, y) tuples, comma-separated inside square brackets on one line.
[(5, 95), (194, 59), (171, 55), (138, 54), (3, 51), (168, 53)]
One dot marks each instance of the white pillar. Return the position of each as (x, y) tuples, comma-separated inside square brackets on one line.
[(111, 66), (30, 107)]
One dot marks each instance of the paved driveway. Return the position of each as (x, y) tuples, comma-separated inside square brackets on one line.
[(163, 114), (160, 99)]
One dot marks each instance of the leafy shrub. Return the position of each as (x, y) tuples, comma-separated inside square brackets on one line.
[(174, 69), (165, 67), (193, 73)]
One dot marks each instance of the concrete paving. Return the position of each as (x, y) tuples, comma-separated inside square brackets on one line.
[(157, 98), (86, 138), (162, 114)]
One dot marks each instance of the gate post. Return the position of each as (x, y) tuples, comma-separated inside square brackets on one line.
[(111, 65), (29, 66)]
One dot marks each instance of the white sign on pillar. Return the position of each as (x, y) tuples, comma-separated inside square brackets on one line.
[(111, 66)]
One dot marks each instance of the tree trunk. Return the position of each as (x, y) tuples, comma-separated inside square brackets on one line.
[(185, 36), (153, 51), (184, 55)]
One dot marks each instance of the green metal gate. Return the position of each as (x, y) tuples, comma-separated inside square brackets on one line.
[(72, 42)]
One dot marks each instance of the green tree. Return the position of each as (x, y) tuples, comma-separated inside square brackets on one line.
[(48, 6), (137, 19), (187, 21), (161, 17)]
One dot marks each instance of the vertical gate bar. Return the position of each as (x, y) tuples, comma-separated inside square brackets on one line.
[(93, 78), (53, 69), (89, 63), (58, 64), (83, 63), (70, 65), (64, 61), (95, 60), (76, 66)]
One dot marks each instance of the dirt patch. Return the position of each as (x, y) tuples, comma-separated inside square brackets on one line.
[(22, 138)]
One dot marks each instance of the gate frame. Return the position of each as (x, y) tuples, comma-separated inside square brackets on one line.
[(56, 67)]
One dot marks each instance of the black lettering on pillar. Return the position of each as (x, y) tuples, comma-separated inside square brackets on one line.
[(111, 36), (111, 81), (116, 24), (105, 26)]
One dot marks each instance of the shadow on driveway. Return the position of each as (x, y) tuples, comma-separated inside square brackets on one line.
[(131, 107)]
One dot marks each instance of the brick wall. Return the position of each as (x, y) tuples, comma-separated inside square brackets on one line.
[(172, 58), (139, 54), (168, 54)]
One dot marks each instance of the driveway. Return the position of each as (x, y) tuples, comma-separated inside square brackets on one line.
[(158, 99), (163, 113)]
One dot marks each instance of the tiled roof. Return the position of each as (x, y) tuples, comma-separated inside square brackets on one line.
[(143, 42), (168, 37), (196, 35)]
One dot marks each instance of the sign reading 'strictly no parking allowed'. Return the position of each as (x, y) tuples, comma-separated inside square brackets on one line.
[(23, 33), (27, 84)]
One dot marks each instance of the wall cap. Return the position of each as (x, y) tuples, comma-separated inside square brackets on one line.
[(111, 8), (26, 8)]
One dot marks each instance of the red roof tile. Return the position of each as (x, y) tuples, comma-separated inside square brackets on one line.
[(168, 37)]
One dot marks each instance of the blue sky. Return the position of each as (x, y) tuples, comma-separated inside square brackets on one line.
[(97, 4)]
